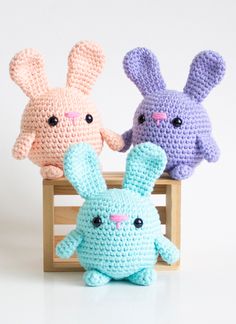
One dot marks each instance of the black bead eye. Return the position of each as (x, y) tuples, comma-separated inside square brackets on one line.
[(138, 222), (53, 120), (177, 122), (89, 118), (141, 119), (97, 221)]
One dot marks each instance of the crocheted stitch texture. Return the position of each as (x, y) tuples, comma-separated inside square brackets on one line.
[(118, 233), (174, 120), (56, 118)]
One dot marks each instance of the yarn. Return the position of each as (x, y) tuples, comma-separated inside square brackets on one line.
[(176, 121), (118, 233), (56, 118)]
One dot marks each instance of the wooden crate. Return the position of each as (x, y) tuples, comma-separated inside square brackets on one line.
[(64, 215)]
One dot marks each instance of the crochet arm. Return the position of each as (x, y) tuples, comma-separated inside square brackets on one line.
[(208, 148), (167, 250), (127, 138), (113, 140), (23, 145), (66, 248)]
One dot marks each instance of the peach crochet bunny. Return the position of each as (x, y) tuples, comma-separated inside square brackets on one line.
[(56, 118)]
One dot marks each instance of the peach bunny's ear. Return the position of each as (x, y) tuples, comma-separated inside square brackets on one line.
[(27, 70), (85, 63)]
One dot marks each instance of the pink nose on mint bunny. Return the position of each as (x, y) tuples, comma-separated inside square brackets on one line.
[(72, 115), (118, 219), (158, 116)]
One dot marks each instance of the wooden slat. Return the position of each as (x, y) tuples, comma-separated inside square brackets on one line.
[(68, 215), (74, 259), (159, 189), (65, 215), (60, 266), (162, 214), (67, 189), (173, 213), (113, 180)]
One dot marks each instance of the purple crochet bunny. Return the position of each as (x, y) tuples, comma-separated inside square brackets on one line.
[(174, 120)]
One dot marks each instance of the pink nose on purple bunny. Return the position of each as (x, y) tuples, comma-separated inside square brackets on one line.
[(158, 116), (118, 219), (72, 115)]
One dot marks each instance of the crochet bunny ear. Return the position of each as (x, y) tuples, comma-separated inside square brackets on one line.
[(142, 67), (145, 163), (82, 169), (85, 63), (27, 70), (206, 71)]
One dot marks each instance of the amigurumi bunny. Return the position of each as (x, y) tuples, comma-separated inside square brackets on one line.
[(56, 118), (118, 233), (176, 121)]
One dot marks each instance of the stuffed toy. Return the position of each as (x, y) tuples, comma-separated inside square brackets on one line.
[(175, 120), (118, 233), (55, 118)]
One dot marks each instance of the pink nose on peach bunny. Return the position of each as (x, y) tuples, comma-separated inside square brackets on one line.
[(72, 115), (158, 116), (118, 219)]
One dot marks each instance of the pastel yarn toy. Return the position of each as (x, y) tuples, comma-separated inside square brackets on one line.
[(176, 121), (55, 118), (118, 233)]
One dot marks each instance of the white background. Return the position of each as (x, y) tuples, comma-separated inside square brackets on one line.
[(203, 290)]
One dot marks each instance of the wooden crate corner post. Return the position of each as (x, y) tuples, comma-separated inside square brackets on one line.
[(48, 225), (173, 210)]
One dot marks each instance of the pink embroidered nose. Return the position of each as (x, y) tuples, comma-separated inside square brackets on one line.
[(158, 116), (72, 115), (118, 219)]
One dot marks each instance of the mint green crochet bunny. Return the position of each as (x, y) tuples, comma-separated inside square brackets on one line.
[(118, 233)]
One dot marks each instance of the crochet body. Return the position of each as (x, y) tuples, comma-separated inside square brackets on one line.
[(118, 252), (118, 233), (56, 118), (179, 143), (176, 121), (51, 142)]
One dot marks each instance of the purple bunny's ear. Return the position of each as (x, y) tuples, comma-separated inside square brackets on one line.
[(206, 71), (141, 67)]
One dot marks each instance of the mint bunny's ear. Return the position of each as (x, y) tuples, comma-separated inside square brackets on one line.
[(82, 169), (145, 163)]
